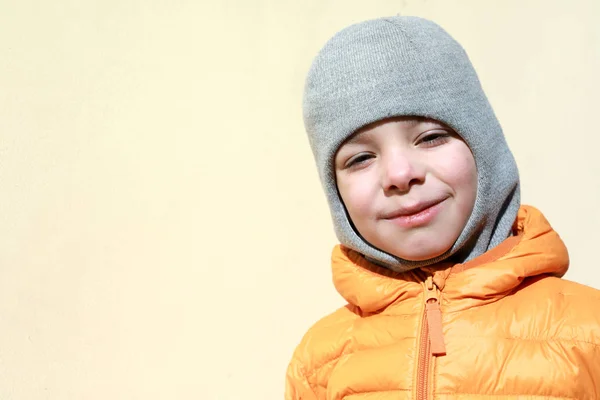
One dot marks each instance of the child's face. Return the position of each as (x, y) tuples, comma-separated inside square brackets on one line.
[(408, 184)]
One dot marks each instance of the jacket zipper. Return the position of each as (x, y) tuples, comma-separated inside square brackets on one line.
[(432, 337)]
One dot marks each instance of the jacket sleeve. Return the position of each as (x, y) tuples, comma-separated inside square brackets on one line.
[(589, 350), (593, 360), (297, 386)]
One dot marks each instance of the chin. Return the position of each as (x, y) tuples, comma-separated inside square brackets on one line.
[(421, 257), (420, 253)]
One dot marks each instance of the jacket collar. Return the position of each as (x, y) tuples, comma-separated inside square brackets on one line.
[(535, 250)]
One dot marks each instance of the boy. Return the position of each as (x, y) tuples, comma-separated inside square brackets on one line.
[(453, 287)]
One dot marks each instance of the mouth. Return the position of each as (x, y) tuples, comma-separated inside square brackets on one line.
[(415, 214), (412, 210)]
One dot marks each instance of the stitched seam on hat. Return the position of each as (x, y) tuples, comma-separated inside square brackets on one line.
[(401, 28)]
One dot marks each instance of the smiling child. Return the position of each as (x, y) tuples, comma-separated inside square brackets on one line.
[(454, 288)]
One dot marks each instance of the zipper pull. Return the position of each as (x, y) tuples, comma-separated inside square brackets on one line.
[(434, 319)]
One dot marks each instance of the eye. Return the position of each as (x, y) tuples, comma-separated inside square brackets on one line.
[(358, 160), (433, 139)]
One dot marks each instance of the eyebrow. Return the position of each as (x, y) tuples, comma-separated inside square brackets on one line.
[(359, 137), (362, 135)]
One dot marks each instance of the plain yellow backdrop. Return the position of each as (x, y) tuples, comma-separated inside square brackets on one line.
[(163, 231)]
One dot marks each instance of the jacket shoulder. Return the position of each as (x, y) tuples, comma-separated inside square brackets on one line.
[(572, 292), (567, 308), (579, 291), (320, 348), (322, 342)]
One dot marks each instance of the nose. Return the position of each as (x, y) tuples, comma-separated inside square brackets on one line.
[(400, 171)]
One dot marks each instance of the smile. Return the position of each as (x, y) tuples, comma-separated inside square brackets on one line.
[(417, 215)]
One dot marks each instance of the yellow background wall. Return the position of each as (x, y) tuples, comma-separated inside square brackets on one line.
[(163, 231)]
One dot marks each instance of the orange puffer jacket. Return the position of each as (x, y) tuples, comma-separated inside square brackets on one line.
[(502, 326)]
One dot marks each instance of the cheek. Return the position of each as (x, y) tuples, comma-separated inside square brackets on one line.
[(357, 195), (460, 171)]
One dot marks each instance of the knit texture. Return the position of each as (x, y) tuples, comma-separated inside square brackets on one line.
[(409, 66)]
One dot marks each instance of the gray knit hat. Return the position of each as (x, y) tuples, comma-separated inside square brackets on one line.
[(409, 66)]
